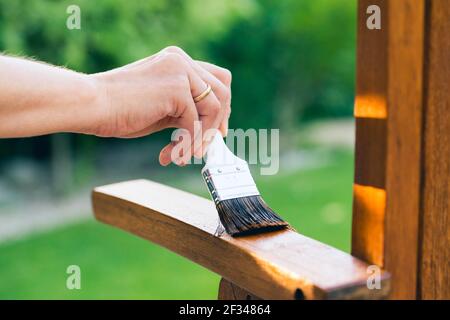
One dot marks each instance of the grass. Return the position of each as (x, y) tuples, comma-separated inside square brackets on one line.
[(116, 265)]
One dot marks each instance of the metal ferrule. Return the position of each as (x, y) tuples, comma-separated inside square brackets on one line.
[(229, 182)]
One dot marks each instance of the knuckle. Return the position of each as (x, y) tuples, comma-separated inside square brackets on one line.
[(224, 94), (173, 59), (174, 49), (226, 76), (221, 91)]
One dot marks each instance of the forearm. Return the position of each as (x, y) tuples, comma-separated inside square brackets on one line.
[(36, 99)]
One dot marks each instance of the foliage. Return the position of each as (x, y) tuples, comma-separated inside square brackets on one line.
[(291, 60), (113, 32)]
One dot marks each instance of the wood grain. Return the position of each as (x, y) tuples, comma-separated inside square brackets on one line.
[(404, 138), (388, 141), (435, 245), (369, 200), (230, 291), (274, 265)]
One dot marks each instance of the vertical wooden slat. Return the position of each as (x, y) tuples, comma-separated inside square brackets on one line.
[(370, 149), (405, 96), (434, 261), (388, 111)]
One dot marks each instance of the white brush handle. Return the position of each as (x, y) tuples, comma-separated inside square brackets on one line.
[(227, 176), (218, 153)]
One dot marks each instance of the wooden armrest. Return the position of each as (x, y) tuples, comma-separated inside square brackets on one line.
[(276, 265)]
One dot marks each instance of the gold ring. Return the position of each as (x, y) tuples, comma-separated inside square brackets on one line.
[(203, 95)]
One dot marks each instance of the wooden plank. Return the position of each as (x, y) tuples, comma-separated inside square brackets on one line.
[(230, 291), (369, 194), (276, 265), (388, 108), (435, 245), (405, 96)]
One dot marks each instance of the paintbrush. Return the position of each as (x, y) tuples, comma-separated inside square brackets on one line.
[(242, 211)]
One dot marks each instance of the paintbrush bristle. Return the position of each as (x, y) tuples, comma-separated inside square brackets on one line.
[(248, 215), (241, 209)]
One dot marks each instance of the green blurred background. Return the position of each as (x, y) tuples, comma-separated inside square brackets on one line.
[(293, 67)]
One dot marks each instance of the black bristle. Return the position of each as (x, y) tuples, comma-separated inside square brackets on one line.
[(248, 215)]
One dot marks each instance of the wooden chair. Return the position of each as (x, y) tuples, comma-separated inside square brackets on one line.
[(401, 185)]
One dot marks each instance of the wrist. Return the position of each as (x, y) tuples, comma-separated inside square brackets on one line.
[(94, 99)]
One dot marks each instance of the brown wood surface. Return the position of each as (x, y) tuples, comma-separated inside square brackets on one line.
[(401, 193), (405, 96), (230, 291), (276, 265), (369, 194), (435, 245), (388, 110)]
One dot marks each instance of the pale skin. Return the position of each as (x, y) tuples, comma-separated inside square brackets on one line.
[(135, 100)]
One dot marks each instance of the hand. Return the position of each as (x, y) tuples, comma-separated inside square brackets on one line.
[(157, 93)]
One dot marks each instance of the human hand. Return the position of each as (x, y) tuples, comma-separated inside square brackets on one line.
[(157, 93)]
